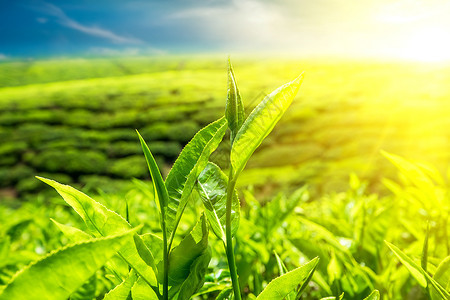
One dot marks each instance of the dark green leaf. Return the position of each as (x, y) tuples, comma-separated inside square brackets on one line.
[(189, 249), (196, 277)]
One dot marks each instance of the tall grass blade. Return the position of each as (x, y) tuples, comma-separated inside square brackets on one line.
[(280, 287), (212, 187), (62, 272), (261, 122)]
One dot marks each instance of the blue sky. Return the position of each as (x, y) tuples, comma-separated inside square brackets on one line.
[(366, 28)]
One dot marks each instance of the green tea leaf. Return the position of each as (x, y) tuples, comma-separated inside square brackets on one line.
[(261, 122), (442, 277), (375, 295), (234, 110), (187, 168), (424, 261), (196, 277), (155, 244), (63, 271), (101, 221), (212, 188), (412, 267), (225, 294), (72, 233), (158, 183), (141, 291), (283, 285), (87, 290), (190, 248), (122, 291)]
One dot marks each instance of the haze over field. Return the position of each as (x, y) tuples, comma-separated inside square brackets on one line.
[(402, 29)]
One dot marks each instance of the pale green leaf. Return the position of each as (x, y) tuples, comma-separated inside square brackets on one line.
[(122, 291), (212, 188), (155, 244), (72, 233), (261, 122), (234, 110), (191, 162), (375, 295), (141, 291), (283, 285), (196, 277), (412, 267), (442, 277), (101, 221), (63, 271)]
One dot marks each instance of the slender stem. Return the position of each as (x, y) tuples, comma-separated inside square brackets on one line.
[(229, 238), (165, 256), (166, 265)]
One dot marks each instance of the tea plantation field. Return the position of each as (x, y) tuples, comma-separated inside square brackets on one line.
[(74, 119), (349, 194)]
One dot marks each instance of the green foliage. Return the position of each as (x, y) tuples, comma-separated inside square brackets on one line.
[(234, 110), (79, 260), (263, 239), (212, 188), (283, 285), (260, 123), (192, 160)]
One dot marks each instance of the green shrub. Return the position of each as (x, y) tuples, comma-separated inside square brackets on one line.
[(129, 167), (71, 161)]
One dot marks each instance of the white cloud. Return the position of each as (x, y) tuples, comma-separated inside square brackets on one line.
[(104, 51), (3, 56), (64, 20)]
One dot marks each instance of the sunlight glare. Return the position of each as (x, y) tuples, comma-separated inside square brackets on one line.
[(429, 44)]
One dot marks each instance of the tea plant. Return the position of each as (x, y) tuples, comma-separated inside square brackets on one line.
[(148, 265)]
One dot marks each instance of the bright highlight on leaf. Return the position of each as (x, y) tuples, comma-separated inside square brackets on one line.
[(189, 164), (260, 123), (283, 285), (49, 278), (103, 222)]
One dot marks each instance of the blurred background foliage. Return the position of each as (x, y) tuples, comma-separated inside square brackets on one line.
[(74, 119)]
